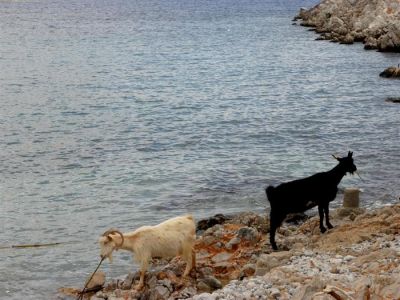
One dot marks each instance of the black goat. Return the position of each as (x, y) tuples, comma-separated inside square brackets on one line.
[(302, 194)]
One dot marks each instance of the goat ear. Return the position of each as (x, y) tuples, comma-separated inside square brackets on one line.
[(350, 154), (109, 238)]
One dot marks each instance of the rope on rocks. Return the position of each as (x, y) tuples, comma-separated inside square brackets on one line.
[(80, 295)]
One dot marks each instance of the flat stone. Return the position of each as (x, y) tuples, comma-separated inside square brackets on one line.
[(220, 257)]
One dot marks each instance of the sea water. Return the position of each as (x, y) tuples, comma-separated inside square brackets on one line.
[(125, 113)]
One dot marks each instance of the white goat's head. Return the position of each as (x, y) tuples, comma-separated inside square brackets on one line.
[(108, 243)]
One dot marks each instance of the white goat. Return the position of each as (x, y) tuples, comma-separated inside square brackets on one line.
[(168, 239)]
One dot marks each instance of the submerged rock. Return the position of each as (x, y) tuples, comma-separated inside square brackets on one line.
[(393, 99)]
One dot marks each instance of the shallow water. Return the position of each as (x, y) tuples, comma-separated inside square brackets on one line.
[(127, 113)]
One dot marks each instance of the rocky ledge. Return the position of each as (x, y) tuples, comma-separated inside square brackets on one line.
[(358, 259), (376, 23)]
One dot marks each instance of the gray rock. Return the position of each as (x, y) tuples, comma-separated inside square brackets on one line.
[(391, 72), (203, 287), (211, 282), (98, 280), (160, 292), (307, 291), (204, 296), (101, 295), (275, 292), (222, 256), (128, 281), (266, 262), (151, 282), (187, 292), (248, 270), (248, 234)]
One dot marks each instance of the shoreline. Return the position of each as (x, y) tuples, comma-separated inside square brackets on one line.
[(360, 256), (375, 24)]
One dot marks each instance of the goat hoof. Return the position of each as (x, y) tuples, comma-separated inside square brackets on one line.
[(323, 229), (330, 226)]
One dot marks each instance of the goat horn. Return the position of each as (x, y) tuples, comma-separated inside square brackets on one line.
[(111, 231), (335, 157)]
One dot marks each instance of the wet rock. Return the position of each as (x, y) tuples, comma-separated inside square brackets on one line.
[(391, 72), (212, 221), (347, 39), (393, 99)]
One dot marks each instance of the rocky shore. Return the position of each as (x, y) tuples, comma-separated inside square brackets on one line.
[(358, 259), (376, 23)]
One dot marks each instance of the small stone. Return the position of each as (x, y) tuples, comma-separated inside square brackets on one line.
[(160, 292), (232, 243), (308, 253), (248, 234), (98, 279), (248, 270), (348, 258), (204, 296), (211, 282), (275, 292), (128, 281), (220, 257), (118, 293)]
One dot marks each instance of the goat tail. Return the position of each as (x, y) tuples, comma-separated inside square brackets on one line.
[(270, 193)]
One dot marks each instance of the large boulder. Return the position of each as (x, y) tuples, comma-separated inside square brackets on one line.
[(391, 72)]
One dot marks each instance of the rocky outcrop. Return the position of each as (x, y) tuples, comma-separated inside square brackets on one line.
[(376, 23), (358, 259), (391, 72)]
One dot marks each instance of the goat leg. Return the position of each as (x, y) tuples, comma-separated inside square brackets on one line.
[(326, 211), (143, 269), (275, 221), (321, 218)]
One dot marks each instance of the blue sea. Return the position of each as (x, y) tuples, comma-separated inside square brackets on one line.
[(124, 113)]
